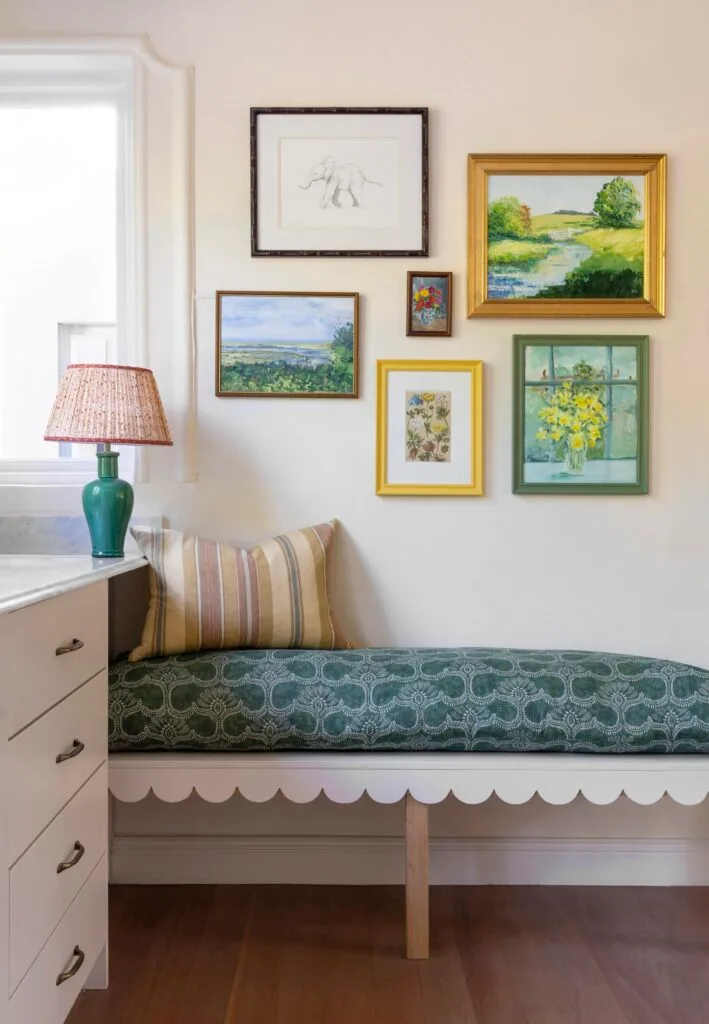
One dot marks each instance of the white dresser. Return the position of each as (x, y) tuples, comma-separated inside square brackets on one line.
[(53, 779)]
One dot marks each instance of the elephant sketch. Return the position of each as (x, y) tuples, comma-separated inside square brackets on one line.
[(338, 179)]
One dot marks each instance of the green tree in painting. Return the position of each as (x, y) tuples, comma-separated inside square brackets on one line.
[(343, 341), (342, 349), (507, 218), (617, 204)]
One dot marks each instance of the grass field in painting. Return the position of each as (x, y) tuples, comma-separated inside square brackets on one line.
[(545, 222), (509, 252)]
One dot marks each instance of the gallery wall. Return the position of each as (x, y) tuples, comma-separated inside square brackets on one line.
[(617, 76)]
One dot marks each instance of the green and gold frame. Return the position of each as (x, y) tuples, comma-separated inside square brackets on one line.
[(581, 414), (566, 236)]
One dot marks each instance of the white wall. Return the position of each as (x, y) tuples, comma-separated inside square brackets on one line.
[(622, 76)]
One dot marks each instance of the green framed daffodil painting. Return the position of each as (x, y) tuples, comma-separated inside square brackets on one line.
[(581, 414)]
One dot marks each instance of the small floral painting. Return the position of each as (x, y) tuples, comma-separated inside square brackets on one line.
[(428, 426), (429, 304)]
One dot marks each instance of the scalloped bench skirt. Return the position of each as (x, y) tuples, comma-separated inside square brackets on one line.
[(420, 778)]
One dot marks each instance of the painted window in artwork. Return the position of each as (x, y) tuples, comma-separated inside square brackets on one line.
[(581, 414)]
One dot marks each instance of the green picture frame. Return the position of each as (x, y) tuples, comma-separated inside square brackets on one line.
[(581, 414)]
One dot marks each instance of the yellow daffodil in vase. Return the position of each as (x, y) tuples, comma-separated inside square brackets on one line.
[(574, 417)]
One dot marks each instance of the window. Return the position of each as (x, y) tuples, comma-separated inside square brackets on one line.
[(58, 176), (95, 144), (65, 208)]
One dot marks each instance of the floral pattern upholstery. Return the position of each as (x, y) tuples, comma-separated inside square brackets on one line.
[(467, 699)]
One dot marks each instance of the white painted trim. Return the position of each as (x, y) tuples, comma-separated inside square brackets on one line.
[(185, 860), (429, 777), (88, 46)]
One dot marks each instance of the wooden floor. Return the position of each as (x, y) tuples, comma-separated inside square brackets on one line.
[(334, 955)]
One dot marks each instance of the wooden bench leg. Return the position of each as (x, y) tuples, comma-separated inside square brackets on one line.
[(416, 879)]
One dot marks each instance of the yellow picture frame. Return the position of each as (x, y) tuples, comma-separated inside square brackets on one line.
[(653, 171), (472, 486)]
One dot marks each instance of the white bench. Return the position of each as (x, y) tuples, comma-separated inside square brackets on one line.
[(422, 778)]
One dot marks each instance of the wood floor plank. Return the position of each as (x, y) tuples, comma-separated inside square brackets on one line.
[(444, 987), (653, 949), (396, 981), (560, 968), (481, 931), (204, 954), (141, 921), (335, 955), (333, 930)]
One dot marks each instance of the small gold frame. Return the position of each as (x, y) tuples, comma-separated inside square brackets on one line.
[(653, 168), (475, 369)]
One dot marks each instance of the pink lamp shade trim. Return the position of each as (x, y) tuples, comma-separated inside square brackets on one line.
[(110, 404)]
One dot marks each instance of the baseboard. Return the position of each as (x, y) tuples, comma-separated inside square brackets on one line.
[(350, 860)]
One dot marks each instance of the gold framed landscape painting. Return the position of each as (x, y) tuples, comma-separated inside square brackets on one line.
[(566, 236), (429, 427)]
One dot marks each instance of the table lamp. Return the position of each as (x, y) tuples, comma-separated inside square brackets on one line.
[(107, 405)]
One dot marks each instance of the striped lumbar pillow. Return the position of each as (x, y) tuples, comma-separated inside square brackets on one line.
[(209, 596)]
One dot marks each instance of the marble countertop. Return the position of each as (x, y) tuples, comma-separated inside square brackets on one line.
[(27, 579)]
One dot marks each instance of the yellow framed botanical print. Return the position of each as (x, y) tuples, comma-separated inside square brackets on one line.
[(566, 236), (429, 427)]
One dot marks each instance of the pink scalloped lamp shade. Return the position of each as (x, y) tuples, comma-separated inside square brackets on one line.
[(108, 404)]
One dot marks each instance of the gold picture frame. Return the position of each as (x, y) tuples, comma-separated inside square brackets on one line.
[(541, 269), (429, 427)]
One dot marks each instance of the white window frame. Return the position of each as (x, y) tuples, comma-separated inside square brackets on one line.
[(32, 80), (65, 332), (153, 288)]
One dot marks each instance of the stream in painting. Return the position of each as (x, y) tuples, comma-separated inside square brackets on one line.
[(510, 282)]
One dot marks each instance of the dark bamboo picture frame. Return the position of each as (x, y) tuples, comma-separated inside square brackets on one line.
[(581, 416), (332, 179)]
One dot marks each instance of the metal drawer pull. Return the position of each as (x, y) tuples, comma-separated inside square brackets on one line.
[(73, 861), (76, 748), (75, 645), (75, 967)]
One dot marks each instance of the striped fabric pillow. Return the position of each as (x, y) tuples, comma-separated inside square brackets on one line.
[(209, 596)]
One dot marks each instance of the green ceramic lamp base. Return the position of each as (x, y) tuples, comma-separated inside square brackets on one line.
[(108, 503)]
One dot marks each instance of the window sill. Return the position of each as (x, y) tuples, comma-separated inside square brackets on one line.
[(45, 479), (71, 473), (46, 472)]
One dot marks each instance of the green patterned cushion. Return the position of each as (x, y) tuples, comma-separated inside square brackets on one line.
[(472, 699)]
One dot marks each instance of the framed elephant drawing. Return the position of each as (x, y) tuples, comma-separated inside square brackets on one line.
[(339, 181)]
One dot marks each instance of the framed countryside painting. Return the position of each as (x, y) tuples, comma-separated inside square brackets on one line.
[(287, 344), (339, 181), (429, 298), (566, 236), (581, 414), (429, 427)]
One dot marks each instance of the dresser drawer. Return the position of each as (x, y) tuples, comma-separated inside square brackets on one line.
[(39, 894), (39, 999), (40, 786), (35, 675)]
